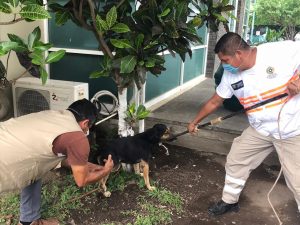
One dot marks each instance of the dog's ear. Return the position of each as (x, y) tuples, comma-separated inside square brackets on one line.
[(156, 132), (160, 128)]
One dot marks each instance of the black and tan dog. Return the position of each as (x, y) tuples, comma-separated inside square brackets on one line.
[(136, 150)]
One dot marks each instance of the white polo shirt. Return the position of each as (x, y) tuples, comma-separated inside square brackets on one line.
[(277, 63)]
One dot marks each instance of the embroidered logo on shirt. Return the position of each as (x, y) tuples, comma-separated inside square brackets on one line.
[(237, 85), (271, 72)]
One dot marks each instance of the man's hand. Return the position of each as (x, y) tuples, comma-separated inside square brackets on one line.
[(192, 128), (91, 173), (109, 164), (294, 87)]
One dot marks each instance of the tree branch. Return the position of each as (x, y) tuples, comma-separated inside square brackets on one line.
[(79, 17), (104, 46), (8, 56), (11, 22)]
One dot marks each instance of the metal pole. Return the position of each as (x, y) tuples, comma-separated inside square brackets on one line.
[(252, 24)]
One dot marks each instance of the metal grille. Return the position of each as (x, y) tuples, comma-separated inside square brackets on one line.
[(30, 100)]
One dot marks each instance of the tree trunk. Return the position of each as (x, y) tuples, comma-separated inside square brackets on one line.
[(139, 99), (123, 129), (290, 32)]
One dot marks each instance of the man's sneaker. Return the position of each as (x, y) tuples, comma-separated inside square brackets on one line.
[(44, 222), (222, 207)]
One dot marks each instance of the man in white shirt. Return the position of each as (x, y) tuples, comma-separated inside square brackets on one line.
[(254, 75)]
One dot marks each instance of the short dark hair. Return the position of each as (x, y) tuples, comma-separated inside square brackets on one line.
[(229, 43), (84, 109)]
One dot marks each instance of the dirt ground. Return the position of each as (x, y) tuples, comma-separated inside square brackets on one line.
[(199, 178)]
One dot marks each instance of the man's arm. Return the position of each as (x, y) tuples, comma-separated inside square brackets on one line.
[(91, 173), (211, 105)]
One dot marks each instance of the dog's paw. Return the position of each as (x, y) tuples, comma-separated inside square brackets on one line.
[(107, 194), (151, 188)]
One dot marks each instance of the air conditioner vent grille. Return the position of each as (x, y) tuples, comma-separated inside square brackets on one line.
[(31, 100)]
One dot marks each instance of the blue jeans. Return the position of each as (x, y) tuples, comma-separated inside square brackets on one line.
[(30, 203)]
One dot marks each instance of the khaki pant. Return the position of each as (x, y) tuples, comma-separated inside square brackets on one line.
[(249, 150)]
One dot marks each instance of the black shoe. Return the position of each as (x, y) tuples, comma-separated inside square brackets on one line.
[(222, 207)]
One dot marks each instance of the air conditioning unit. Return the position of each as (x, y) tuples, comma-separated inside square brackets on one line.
[(30, 95)]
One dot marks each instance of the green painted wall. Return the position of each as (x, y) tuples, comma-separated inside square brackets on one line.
[(168, 80), (77, 67), (194, 66), (71, 36)]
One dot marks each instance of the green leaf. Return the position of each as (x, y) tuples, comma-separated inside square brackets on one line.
[(150, 62), (165, 12), (33, 37), (55, 56), (143, 115), (140, 109), (42, 46), (181, 10), (158, 58), (61, 17), (142, 112), (111, 17), (120, 28), (7, 46), (34, 12), (37, 61), (37, 58), (139, 40), (220, 17), (197, 21), (16, 38), (151, 44), (131, 109), (43, 74), (20, 48), (5, 8), (14, 3), (97, 74), (128, 64), (121, 43), (101, 25), (225, 2), (2, 53), (107, 63)]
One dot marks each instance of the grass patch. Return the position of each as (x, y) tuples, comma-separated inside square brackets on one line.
[(9, 205), (56, 196), (119, 181), (156, 207), (166, 197), (55, 200)]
